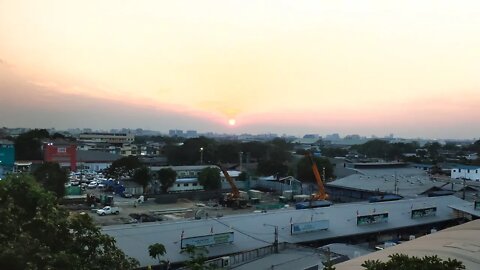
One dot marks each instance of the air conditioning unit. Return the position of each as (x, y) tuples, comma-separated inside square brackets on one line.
[(225, 261)]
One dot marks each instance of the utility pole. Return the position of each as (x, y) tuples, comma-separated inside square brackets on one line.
[(275, 242), (201, 155)]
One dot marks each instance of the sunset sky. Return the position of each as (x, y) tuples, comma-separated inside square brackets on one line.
[(411, 68)]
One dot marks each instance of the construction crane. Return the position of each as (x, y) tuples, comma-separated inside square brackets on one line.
[(321, 193), (318, 199), (234, 198)]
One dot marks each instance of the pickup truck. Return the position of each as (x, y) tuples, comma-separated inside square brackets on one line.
[(108, 210)]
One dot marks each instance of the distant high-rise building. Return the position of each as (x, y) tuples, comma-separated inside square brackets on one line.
[(175, 133), (191, 134)]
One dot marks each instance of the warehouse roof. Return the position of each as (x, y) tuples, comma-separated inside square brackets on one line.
[(409, 181), (252, 231), (459, 242), (96, 156)]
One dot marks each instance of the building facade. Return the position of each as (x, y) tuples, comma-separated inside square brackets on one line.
[(7, 157), (469, 173), (113, 138), (63, 153)]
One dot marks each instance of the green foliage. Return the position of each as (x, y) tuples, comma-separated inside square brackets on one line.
[(305, 172), (272, 167), (157, 251), (189, 152), (38, 234), (404, 262), (142, 176), (334, 152), (52, 177), (124, 167), (383, 149), (197, 258), (167, 177), (28, 145), (210, 178), (328, 265)]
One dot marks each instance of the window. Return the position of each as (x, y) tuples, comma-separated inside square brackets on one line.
[(468, 171), (194, 184), (459, 170), (61, 150), (178, 185), (185, 185), (454, 170)]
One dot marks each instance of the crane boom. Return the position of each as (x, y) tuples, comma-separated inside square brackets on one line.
[(235, 192), (321, 193)]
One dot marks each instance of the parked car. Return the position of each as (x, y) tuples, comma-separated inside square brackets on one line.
[(127, 195), (92, 184)]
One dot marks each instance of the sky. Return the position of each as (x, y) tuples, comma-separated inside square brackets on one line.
[(411, 68)]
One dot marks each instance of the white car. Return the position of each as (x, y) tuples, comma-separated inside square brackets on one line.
[(92, 184)]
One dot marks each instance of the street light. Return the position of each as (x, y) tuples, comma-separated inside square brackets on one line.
[(201, 155)]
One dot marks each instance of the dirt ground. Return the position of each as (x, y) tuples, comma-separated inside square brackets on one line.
[(183, 209)]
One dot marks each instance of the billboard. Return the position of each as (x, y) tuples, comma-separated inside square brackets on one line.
[(372, 219), (424, 212), (476, 205), (306, 227), (208, 240)]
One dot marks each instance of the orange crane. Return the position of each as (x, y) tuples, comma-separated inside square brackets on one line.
[(321, 193), (318, 199), (233, 198)]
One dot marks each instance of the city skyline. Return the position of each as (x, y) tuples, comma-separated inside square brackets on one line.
[(375, 67)]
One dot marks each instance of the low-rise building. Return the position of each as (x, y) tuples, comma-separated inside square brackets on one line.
[(62, 152), (466, 172), (7, 157), (113, 138)]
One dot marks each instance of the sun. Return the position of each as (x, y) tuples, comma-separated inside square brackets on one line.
[(232, 122)]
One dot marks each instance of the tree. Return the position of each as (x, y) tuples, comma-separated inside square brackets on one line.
[(210, 178), (142, 176), (167, 177), (404, 262), (157, 251), (197, 258), (305, 172), (38, 234), (124, 167), (28, 145), (52, 178), (272, 167)]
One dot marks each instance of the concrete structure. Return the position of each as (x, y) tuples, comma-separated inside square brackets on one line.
[(466, 172), (113, 138), (62, 152), (184, 171), (256, 230), (459, 242)]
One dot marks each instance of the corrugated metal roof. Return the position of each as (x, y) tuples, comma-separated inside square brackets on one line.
[(249, 232)]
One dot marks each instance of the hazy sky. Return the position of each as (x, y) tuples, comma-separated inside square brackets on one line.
[(411, 68)]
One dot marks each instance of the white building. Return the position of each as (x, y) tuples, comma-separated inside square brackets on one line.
[(100, 137), (466, 172)]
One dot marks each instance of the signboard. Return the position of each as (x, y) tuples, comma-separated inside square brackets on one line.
[(424, 212), (208, 240), (476, 205), (372, 219), (306, 227)]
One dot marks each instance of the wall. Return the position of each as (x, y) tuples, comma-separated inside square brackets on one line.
[(7, 155), (470, 174), (61, 154)]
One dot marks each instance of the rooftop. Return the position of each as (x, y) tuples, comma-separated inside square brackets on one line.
[(250, 231), (459, 242), (409, 182)]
